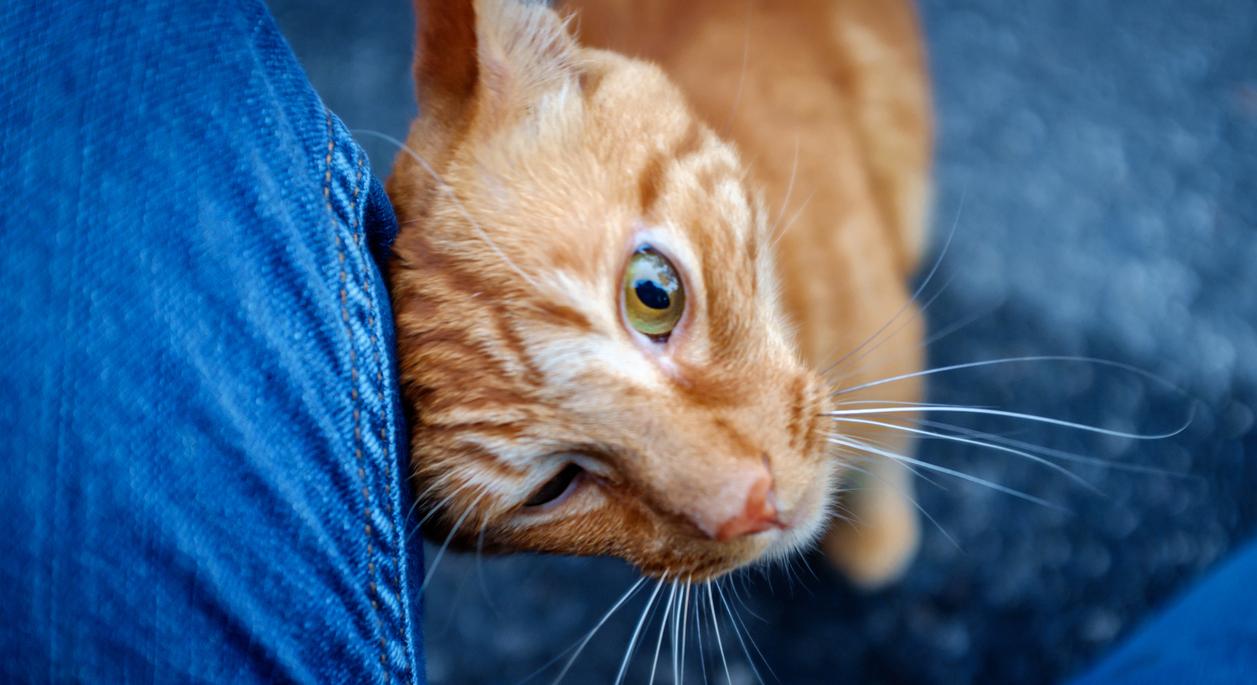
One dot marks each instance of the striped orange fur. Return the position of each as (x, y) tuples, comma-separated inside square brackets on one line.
[(776, 153)]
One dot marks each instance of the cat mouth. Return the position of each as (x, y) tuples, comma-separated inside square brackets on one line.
[(794, 533), (802, 525)]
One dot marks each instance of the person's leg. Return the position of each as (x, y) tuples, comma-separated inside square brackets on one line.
[(1207, 637), (201, 446)]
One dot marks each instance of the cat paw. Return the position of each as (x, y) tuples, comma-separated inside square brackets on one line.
[(875, 547)]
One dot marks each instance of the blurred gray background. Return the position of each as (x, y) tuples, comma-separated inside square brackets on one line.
[(1107, 153)]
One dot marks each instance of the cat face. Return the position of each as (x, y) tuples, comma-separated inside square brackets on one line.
[(589, 332)]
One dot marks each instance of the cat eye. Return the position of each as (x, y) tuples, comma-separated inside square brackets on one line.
[(557, 487), (654, 297)]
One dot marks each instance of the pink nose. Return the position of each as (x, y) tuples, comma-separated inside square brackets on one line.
[(759, 514)]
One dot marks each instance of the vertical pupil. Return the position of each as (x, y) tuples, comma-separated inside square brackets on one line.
[(651, 294)]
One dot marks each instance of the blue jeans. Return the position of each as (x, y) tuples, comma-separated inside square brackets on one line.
[(1207, 637), (202, 452)]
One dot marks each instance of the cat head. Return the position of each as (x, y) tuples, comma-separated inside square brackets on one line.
[(589, 333)]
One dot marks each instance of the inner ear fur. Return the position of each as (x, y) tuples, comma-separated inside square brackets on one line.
[(500, 55), (478, 63)]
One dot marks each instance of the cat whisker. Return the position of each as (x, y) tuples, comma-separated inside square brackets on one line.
[(733, 621), (484, 586), (865, 458), (420, 498), (594, 631), (698, 632), (1011, 360), (797, 561), (917, 505), (431, 570), (663, 626), (807, 564), (918, 313), (791, 580), (1055, 453), (448, 191), (746, 51), (736, 595), (938, 261), (685, 622), (794, 168), (977, 443), (901, 403), (628, 653), (857, 444), (1035, 418), (794, 216), (439, 506), (957, 326), (715, 626), (836, 511), (676, 644)]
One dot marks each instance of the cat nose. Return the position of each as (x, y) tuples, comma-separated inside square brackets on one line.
[(758, 514)]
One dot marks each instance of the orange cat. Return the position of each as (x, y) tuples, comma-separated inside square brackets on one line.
[(619, 282)]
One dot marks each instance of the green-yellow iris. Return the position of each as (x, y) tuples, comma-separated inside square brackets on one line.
[(654, 297)]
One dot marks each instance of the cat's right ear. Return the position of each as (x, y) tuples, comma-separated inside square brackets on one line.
[(447, 68)]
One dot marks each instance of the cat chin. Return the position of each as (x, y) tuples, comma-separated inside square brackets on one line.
[(766, 548), (795, 540), (777, 546)]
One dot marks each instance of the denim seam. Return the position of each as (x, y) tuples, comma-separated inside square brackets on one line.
[(354, 394), (383, 582), (377, 357)]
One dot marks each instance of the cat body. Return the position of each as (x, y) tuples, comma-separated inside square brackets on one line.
[(764, 162)]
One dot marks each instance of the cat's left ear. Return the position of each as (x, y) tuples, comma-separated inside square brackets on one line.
[(503, 56), (525, 54)]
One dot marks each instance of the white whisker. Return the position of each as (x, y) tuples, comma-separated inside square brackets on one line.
[(856, 444), (484, 586), (1010, 360), (628, 653), (685, 622), (716, 628), (785, 203), (431, 571), (794, 216), (698, 633), (738, 633), (917, 293), (865, 458), (663, 625), (1056, 453), (961, 324), (912, 499), (917, 314), (448, 191), (947, 408), (746, 52), (977, 443), (440, 506), (590, 635), (676, 643)]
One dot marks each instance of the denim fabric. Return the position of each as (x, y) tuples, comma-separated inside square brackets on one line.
[(1209, 637), (201, 443)]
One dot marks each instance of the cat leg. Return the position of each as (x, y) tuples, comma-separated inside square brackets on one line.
[(879, 529)]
